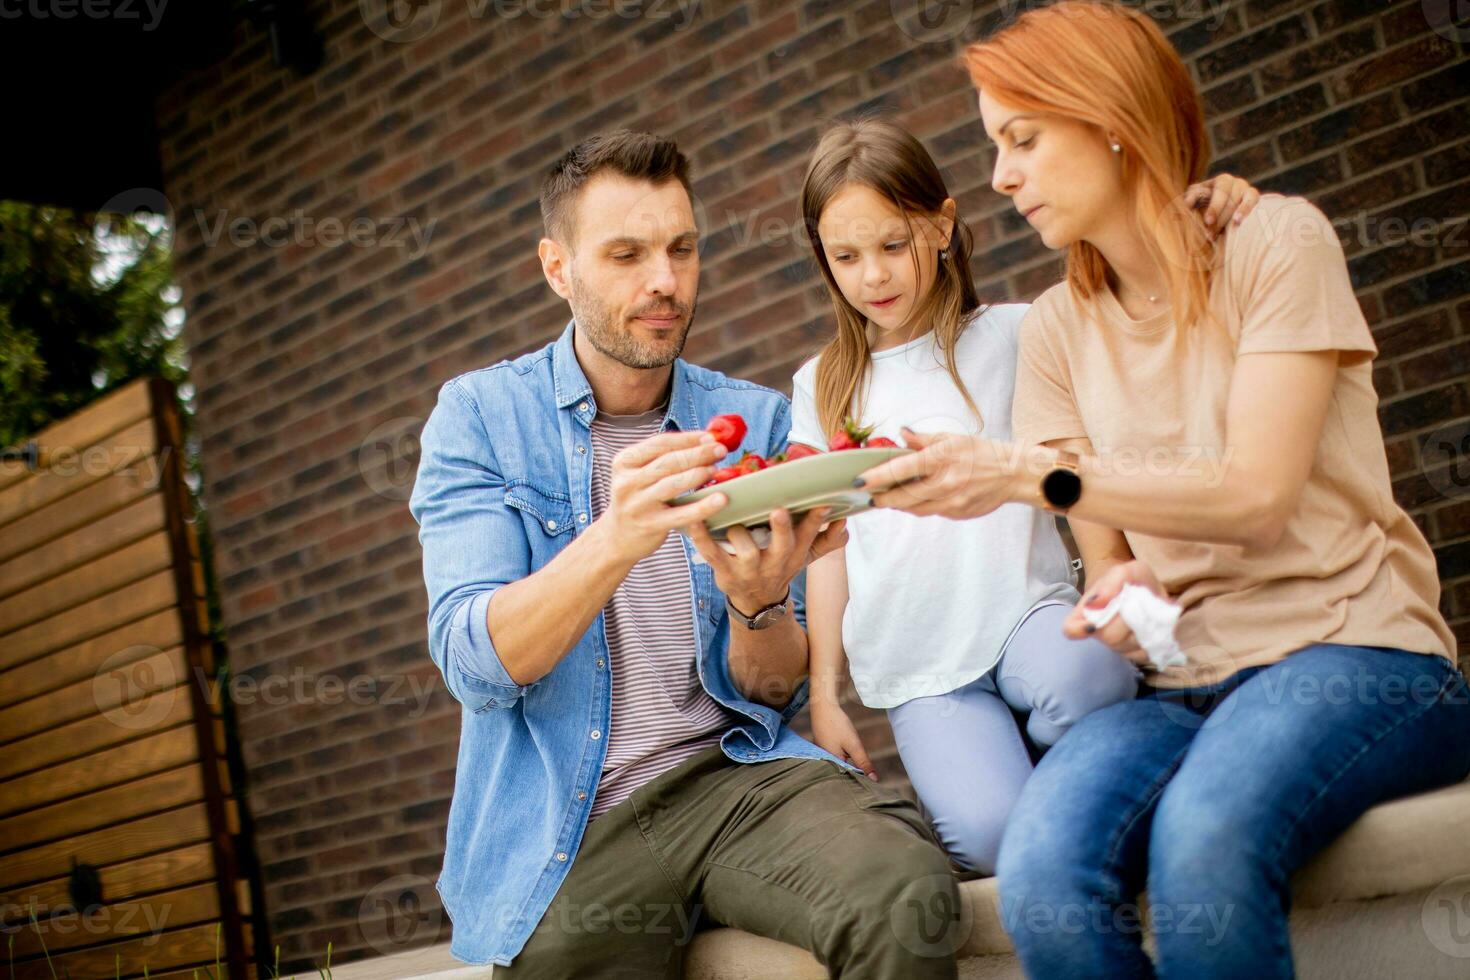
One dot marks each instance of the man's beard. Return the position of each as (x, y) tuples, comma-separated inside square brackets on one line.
[(615, 340)]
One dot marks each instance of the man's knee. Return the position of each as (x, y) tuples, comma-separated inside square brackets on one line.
[(908, 904)]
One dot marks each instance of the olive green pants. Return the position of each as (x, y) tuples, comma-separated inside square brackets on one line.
[(800, 850)]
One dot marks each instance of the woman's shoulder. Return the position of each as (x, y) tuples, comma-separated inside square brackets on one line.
[(1280, 224), (1053, 311)]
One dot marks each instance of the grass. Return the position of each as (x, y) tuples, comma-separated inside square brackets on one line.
[(204, 973)]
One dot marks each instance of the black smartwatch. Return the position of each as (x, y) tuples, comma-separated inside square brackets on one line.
[(1062, 486)]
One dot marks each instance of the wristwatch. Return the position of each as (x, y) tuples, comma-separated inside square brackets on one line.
[(769, 616), (1062, 486)]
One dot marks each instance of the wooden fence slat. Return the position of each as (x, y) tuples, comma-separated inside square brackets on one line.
[(190, 946), (123, 879), (101, 769), (109, 845), (160, 791), (159, 631), (100, 694), (109, 753), (70, 474), (88, 544), (114, 571), (108, 414), (112, 492), (153, 712), (157, 591), (150, 915)]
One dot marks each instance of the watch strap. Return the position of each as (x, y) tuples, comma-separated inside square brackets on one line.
[(755, 621)]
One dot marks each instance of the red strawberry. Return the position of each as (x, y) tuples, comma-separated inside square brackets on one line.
[(725, 473), (798, 450), (850, 436), (882, 442), (728, 430), (751, 462)]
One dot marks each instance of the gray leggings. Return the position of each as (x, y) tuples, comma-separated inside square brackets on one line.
[(963, 752)]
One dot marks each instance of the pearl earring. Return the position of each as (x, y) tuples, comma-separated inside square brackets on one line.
[(944, 255), (1116, 146)]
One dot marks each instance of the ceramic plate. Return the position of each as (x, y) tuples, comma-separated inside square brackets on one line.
[(800, 485)]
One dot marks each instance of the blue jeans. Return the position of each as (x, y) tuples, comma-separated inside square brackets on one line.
[(964, 754), (1210, 798)]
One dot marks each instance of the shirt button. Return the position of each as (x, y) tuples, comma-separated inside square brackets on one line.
[(551, 524), (561, 855), (601, 662), (581, 796), (701, 603), (584, 406), (582, 518), (582, 450), (596, 734)]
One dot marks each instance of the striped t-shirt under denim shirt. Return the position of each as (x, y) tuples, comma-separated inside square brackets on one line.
[(661, 714)]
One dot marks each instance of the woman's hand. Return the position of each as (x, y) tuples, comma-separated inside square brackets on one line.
[(1226, 200), (951, 475), (1117, 633), (835, 732)]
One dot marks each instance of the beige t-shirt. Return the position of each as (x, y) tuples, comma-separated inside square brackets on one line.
[(1352, 567)]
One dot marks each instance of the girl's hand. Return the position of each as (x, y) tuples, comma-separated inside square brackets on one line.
[(1116, 634), (834, 731), (1226, 200), (952, 475)]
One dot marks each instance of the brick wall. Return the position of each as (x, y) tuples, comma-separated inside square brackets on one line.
[(316, 362)]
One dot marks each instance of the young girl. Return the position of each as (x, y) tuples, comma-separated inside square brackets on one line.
[(949, 626), (1296, 572)]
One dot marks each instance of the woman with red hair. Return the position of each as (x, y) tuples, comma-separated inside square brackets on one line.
[(1202, 409)]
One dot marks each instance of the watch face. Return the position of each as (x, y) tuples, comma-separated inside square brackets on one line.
[(1061, 488)]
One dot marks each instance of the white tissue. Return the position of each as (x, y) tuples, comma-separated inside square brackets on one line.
[(1152, 620)]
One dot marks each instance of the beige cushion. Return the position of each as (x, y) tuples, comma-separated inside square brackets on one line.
[(1407, 847)]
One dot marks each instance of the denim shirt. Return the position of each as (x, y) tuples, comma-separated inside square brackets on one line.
[(504, 483)]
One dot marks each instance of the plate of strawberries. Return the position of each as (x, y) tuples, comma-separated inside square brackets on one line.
[(799, 478)]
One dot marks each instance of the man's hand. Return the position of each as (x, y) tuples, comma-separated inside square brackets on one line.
[(754, 578), (647, 475)]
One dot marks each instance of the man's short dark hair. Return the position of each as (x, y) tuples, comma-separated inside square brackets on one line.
[(639, 156)]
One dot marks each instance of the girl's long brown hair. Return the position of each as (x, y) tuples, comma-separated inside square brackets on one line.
[(879, 154), (1111, 66)]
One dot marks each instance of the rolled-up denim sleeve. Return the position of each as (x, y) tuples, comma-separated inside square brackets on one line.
[(473, 543)]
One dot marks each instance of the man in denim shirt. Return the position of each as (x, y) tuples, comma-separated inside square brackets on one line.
[(572, 625)]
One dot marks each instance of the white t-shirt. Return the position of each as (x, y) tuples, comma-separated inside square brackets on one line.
[(931, 601)]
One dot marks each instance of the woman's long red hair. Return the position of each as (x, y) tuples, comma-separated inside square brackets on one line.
[(1111, 66)]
